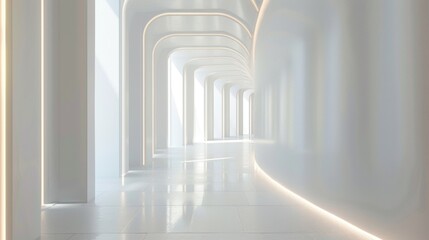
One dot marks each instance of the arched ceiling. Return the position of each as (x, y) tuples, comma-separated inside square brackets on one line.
[(214, 37)]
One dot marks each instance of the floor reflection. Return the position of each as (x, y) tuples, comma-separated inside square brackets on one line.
[(205, 191)]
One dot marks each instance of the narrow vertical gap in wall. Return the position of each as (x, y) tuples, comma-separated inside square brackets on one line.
[(42, 99)]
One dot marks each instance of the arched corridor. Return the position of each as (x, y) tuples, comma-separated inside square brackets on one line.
[(214, 119)]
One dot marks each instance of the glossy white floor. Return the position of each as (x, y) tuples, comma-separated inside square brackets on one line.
[(207, 191)]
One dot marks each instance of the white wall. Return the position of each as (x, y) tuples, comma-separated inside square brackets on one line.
[(25, 188), (74, 168), (69, 165), (347, 104), (107, 88)]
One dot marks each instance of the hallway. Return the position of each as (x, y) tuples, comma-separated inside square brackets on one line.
[(206, 191), (214, 119)]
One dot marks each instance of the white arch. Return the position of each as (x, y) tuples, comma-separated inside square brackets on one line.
[(207, 48), (225, 69), (124, 73), (189, 69)]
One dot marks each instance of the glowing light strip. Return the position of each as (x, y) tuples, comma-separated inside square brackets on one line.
[(197, 14), (239, 57), (3, 120), (126, 2), (261, 14), (236, 40), (42, 99), (313, 207), (232, 60), (255, 5)]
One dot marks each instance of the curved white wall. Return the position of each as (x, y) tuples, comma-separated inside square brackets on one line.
[(348, 97)]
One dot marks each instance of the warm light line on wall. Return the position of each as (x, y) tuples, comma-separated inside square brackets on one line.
[(313, 207), (3, 120), (255, 5), (202, 34), (42, 99), (197, 14), (261, 14)]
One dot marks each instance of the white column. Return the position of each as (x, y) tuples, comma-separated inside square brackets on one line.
[(209, 109), (226, 110), (189, 106), (233, 111), (240, 99), (24, 147), (70, 165), (217, 109)]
